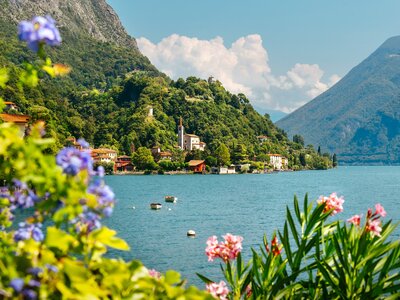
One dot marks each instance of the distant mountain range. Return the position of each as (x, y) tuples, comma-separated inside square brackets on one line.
[(359, 117)]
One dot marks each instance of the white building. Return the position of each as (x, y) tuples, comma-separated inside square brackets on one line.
[(189, 142), (277, 161), (104, 155)]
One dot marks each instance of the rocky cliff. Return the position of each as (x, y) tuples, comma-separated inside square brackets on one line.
[(93, 17)]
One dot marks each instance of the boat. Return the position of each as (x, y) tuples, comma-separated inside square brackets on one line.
[(171, 199), (191, 233), (155, 205)]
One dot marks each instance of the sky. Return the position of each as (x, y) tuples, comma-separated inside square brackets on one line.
[(281, 54)]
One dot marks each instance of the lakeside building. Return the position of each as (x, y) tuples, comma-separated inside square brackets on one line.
[(278, 161), (224, 170), (197, 166), (123, 164), (20, 120), (104, 155), (189, 142)]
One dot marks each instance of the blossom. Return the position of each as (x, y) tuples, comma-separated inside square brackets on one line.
[(72, 161), (154, 273), (218, 290), (17, 284), (374, 227), (105, 197), (83, 143), (27, 231), (227, 250), (87, 222), (40, 30), (380, 210), (100, 171), (356, 219), (332, 203), (276, 248)]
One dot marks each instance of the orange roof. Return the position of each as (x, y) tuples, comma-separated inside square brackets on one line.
[(103, 150), (9, 103), (191, 135), (22, 119), (262, 137), (271, 154), (194, 163), (123, 156)]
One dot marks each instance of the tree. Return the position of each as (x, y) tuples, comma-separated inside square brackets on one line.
[(297, 138), (334, 160), (222, 155), (319, 150), (240, 153), (211, 161), (302, 158), (143, 160)]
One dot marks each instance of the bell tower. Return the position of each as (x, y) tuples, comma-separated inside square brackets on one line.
[(181, 134)]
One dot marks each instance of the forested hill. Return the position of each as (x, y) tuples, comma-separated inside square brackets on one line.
[(106, 97)]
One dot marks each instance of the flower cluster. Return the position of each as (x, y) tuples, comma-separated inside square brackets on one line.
[(275, 246), (72, 161), (27, 231), (218, 290), (22, 197), (227, 250), (373, 222), (333, 203), (26, 290), (86, 222), (105, 197), (38, 31)]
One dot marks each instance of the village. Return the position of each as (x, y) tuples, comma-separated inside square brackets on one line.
[(123, 164)]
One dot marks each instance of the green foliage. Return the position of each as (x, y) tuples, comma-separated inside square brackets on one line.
[(143, 159), (222, 155), (108, 166)]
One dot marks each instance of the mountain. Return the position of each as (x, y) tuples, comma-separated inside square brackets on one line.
[(359, 117), (94, 18)]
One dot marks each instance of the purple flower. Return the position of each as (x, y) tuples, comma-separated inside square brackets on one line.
[(107, 212), (87, 222), (34, 283), (83, 143), (17, 284), (29, 294), (40, 30), (52, 268), (105, 196), (35, 271), (23, 197), (100, 171), (27, 231), (72, 161)]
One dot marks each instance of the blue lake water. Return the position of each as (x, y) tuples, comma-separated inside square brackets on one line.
[(247, 205)]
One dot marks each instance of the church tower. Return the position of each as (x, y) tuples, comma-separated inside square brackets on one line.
[(181, 134)]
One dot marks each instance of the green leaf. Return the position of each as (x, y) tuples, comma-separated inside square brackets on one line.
[(172, 277), (107, 237), (56, 238)]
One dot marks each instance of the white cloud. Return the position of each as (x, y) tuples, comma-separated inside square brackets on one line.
[(242, 68)]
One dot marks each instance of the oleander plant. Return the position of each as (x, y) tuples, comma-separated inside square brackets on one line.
[(316, 259), (52, 242)]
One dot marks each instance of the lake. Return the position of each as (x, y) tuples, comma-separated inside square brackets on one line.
[(246, 205)]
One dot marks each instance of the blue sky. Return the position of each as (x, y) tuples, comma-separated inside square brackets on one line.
[(281, 53)]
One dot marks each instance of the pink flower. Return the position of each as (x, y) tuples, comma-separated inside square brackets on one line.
[(218, 290), (212, 249), (154, 273), (356, 219), (227, 250), (374, 227), (276, 248), (380, 210), (332, 203)]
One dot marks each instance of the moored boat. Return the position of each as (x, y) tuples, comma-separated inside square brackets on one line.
[(171, 199), (155, 205)]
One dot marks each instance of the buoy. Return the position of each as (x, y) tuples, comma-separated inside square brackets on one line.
[(191, 233), (133, 207)]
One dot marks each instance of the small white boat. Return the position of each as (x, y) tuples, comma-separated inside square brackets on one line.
[(171, 199), (155, 205), (191, 233)]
